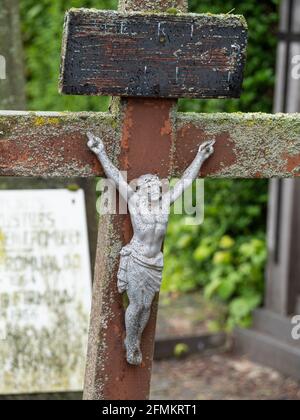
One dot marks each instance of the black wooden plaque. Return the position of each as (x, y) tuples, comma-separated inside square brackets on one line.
[(153, 55)]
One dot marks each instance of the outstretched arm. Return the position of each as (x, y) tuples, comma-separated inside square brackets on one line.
[(96, 146), (192, 172)]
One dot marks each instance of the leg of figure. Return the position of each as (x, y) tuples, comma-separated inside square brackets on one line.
[(145, 315), (132, 342), (133, 319)]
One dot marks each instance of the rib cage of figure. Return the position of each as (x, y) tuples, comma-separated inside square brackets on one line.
[(141, 261)]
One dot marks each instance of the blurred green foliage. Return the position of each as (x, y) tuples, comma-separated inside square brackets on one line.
[(42, 26), (181, 350), (226, 255)]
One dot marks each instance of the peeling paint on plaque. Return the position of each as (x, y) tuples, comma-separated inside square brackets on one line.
[(45, 291), (153, 55)]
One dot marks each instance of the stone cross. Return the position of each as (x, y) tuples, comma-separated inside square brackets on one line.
[(150, 60)]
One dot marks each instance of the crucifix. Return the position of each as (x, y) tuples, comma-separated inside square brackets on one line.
[(147, 60)]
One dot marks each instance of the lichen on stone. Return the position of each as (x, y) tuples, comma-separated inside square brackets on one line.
[(262, 143)]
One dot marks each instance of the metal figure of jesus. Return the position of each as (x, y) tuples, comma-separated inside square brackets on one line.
[(141, 263)]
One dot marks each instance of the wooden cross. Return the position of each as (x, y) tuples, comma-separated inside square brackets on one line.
[(150, 60)]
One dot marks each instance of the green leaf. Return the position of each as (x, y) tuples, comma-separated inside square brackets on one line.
[(226, 289), (211, 288), (181, 349)]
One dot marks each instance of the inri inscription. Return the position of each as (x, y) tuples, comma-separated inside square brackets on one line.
[(136, 54)]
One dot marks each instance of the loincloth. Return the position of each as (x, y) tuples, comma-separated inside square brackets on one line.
[(144, 272)]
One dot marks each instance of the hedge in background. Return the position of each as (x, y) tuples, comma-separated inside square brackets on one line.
[(226, 254), (42, 26)]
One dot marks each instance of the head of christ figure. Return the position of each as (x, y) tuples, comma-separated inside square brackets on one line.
[(150, 187)]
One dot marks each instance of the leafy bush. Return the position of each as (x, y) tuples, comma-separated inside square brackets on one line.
[(227, 253), (42, 25)]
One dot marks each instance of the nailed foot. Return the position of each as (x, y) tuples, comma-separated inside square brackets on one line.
[(134, 354)]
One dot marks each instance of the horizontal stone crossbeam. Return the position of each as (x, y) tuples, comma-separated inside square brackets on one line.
[(247, 145)]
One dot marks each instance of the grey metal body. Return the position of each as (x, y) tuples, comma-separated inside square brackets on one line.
[(141, 263)]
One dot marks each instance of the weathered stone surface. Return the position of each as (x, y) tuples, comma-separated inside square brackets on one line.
[(108, 375), (252, 145), (52, 144), (45, 291), (247, 145), (171, 6), (153, 55)]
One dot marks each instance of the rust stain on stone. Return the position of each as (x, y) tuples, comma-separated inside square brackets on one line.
[(224, 155), (126, 229), (292, 163), (148, 128), (167, 128), (188, 140), (56, 146), (127, 126)]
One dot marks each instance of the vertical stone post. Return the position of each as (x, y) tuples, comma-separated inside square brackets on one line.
[(147, 130)]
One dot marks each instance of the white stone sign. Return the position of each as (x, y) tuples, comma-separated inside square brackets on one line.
[(45, 290)]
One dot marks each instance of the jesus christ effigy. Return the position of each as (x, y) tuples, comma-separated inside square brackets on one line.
[(141, 262)]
